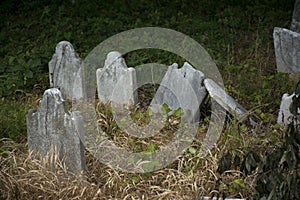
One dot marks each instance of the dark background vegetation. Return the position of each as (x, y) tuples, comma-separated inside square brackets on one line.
[(238, 34)]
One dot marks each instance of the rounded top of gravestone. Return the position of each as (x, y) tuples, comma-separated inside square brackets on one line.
[(64, 47), (112, 57), (54, 93), (64, 44)]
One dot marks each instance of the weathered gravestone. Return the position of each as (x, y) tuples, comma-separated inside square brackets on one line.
[(294, 120), (295, 26), (226, 101), (53, 126), (284, 116), (287, 50), (287, 45), (115, 82), (66, 71), (177, 89)]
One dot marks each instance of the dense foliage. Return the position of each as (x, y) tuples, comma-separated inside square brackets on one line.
[(31, 29), (237, 34)]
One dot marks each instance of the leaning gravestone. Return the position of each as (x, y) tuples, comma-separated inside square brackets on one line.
[(66, 72), (115, 82), (224, 100), (53, 126), (227, 102), (176, 94)]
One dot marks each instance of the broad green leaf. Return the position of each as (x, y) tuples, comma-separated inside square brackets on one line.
[(192, 150)]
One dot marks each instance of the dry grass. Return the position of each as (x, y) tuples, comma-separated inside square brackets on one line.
[(24, 176)]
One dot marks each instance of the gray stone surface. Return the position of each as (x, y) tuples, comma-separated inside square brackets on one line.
[(295, 26), (178, 88), (66, 71), (52, 125), (115, 82), (224, 100), (284, 112), (287, 50)]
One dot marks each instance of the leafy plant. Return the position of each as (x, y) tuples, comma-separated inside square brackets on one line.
[(279, 175), (13, 120)]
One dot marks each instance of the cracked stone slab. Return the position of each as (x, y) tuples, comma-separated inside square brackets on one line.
[(53, 126), (177, 89), (116, 82), (66, 71)]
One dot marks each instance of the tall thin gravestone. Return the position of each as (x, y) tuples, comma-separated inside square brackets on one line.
[(66, 71)]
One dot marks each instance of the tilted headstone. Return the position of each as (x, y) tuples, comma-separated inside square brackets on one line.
[(284, 112), (177, 88), (295, 26), (287, 50), (115, 82), (52, 125), (66, 71), (226, 101)]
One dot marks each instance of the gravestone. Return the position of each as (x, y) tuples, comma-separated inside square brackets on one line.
[(294, 108), (66, 71), (115, 82), (177, 88), (53, 126), (284, 112), (226, 101), (287, 50), (287, 45), (295, 26)]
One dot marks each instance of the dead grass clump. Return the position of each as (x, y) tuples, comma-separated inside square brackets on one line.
[(25, 176), (189, 177)]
